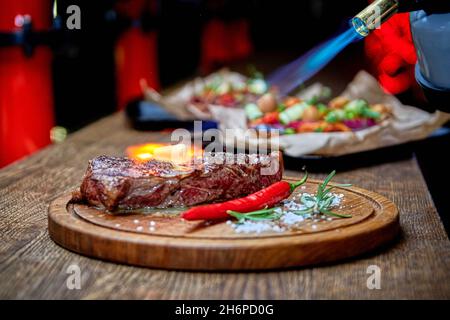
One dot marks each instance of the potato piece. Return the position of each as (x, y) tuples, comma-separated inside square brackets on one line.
[(311, 113), (338, 102), (267, 103)]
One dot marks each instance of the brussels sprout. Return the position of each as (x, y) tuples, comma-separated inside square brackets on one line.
[(356, 106), (322, 108), (289, 131), (335, 116), (331, 117), (349, 115), (281, 107), (369, 113), (313, 100)]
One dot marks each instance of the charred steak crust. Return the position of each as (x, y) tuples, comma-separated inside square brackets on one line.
[(122, 183)]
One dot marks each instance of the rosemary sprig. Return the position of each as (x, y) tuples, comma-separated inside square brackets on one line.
[(322, 201), (259, 215)]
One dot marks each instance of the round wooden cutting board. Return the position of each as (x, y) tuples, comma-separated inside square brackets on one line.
[(163, 240)]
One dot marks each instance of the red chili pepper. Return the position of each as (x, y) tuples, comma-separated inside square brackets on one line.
[(265, 198)]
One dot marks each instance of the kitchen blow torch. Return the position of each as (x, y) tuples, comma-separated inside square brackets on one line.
[(381, 10)]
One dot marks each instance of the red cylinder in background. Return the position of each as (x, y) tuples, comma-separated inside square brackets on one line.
[(136, 60), (136, 53), (26, 94)]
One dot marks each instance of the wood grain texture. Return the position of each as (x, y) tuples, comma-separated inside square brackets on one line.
[(192, 245), (33, 266)]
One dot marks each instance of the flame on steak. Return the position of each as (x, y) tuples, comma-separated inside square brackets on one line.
[(178, 153)]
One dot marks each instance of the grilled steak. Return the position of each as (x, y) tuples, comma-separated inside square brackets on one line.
[(122, 183)]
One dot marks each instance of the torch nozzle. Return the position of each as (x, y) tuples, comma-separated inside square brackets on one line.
[(374, 15)]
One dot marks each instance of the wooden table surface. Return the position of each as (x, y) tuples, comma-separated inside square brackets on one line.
[(32, 266)]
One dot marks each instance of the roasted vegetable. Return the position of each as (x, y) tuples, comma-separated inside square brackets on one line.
[(293, 113), (267, 103), (252, 111)]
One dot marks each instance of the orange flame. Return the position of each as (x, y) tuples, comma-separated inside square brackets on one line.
[(178, 153)]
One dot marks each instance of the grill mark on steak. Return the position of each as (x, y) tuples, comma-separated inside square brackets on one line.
[(122, 183)]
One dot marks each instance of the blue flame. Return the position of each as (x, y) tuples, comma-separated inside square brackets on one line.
[(303, 68)]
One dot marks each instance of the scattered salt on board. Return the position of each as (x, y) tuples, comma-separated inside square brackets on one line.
[(288, 218)]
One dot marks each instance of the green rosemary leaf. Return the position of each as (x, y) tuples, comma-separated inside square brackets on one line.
[(269, 217), (328, 178), (259, 212), (324, 184), (267, 214), (327, 196), (235, 214), (323, 199), (303, 212), (325, 203), (299, 183)]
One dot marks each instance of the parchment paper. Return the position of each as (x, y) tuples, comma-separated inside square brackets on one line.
[(407, 123)]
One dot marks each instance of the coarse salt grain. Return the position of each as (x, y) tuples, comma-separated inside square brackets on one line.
[(336, 199), (294, 206), (152, 229), (152, 223), (140, 228), (136, 221), (256, 227), (250, 227), (290, 218)]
